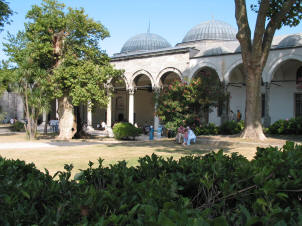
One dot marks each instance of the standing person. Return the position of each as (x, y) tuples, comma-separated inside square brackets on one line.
[(238, 115), (232, 116)]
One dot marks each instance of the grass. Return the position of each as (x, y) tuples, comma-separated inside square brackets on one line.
[(80, 152)]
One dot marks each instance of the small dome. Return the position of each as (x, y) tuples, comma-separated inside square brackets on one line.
[(291, 41), (211, 30), (145, 42), (216, 51), (238, 49)]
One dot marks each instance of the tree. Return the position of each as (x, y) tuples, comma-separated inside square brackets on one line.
[(189, 102), (29, 79), (5, 13), (271, 15), (66, 44)]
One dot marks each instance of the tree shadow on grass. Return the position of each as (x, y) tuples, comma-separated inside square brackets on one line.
[(170, 146)]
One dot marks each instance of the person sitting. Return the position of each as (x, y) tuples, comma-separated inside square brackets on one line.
[(180, 134), (189, 137)]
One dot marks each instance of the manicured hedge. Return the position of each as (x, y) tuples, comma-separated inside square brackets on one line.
[(125, 131), (215, 189)]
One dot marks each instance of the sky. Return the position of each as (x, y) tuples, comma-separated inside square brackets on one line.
[(171, 19)]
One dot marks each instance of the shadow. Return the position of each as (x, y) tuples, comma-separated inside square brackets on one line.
[(7, 134), (294, 138)]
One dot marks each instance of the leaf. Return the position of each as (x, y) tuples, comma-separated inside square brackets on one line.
[(24, 193)]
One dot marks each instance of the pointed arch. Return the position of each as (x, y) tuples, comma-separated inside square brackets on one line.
[(206, 64), (164, 71), (276, 63), (230, 69), (141, 72)]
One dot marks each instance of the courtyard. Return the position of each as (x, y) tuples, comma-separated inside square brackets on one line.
[(47, 152)]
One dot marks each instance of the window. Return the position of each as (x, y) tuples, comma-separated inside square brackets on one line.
[(298, 103), (262, 105)]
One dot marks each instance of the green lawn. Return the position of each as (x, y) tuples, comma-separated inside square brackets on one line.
[(80, 152)]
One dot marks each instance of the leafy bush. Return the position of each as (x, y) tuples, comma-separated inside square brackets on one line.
[(231, 127), (214, 189), (210, 129), (125, 130), (3, 117), (292, 126), (18, 127)]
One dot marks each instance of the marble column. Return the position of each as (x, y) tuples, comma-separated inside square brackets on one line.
[(89, 117), (131, 106), (57, 108), (225, 107), (267, 118), (44, 116), (156, 118), (109, 112)]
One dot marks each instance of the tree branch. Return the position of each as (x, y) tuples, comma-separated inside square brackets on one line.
[(244, 31), (272, 27), (260, 27)]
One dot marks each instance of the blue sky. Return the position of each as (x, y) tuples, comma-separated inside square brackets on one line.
[(171, 19)]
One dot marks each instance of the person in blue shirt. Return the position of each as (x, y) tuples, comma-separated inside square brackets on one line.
[(191, 137)]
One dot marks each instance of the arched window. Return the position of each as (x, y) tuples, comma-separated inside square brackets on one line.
[(299, 78)]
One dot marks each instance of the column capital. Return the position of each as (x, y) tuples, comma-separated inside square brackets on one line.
[(131, 91), (156, 89)]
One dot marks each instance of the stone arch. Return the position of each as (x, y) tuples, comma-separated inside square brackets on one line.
[(277, 62), (124, 78), (141, 72), (206, 64), (230, 69), (164, 71)]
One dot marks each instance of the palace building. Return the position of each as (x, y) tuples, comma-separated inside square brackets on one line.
[(150, 62)]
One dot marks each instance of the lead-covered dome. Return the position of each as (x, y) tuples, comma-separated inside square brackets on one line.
[(211, 30), (291, 41), (145, 42)]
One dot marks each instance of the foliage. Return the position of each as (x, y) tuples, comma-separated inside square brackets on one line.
[(3, 116), (181, 102), (215, 189), (209, 129), (291, 126), (18, 126), (67, 42), (28, 78), (125, 130), (231, 127), (291, 19), (5, 13)]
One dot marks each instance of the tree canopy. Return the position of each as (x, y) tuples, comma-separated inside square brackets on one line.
[(5, 13)]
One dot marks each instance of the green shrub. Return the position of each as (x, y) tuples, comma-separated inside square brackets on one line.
[(231, 127), (18, 127), (125, 130), (291, 126), (3, 116), (210, 129), (214, 189)]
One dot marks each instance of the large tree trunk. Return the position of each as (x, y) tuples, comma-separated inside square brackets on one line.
[(68, 125), (253, 128)]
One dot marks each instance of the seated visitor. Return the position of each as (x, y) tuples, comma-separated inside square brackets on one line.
[(180, 135), (189, 136)]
